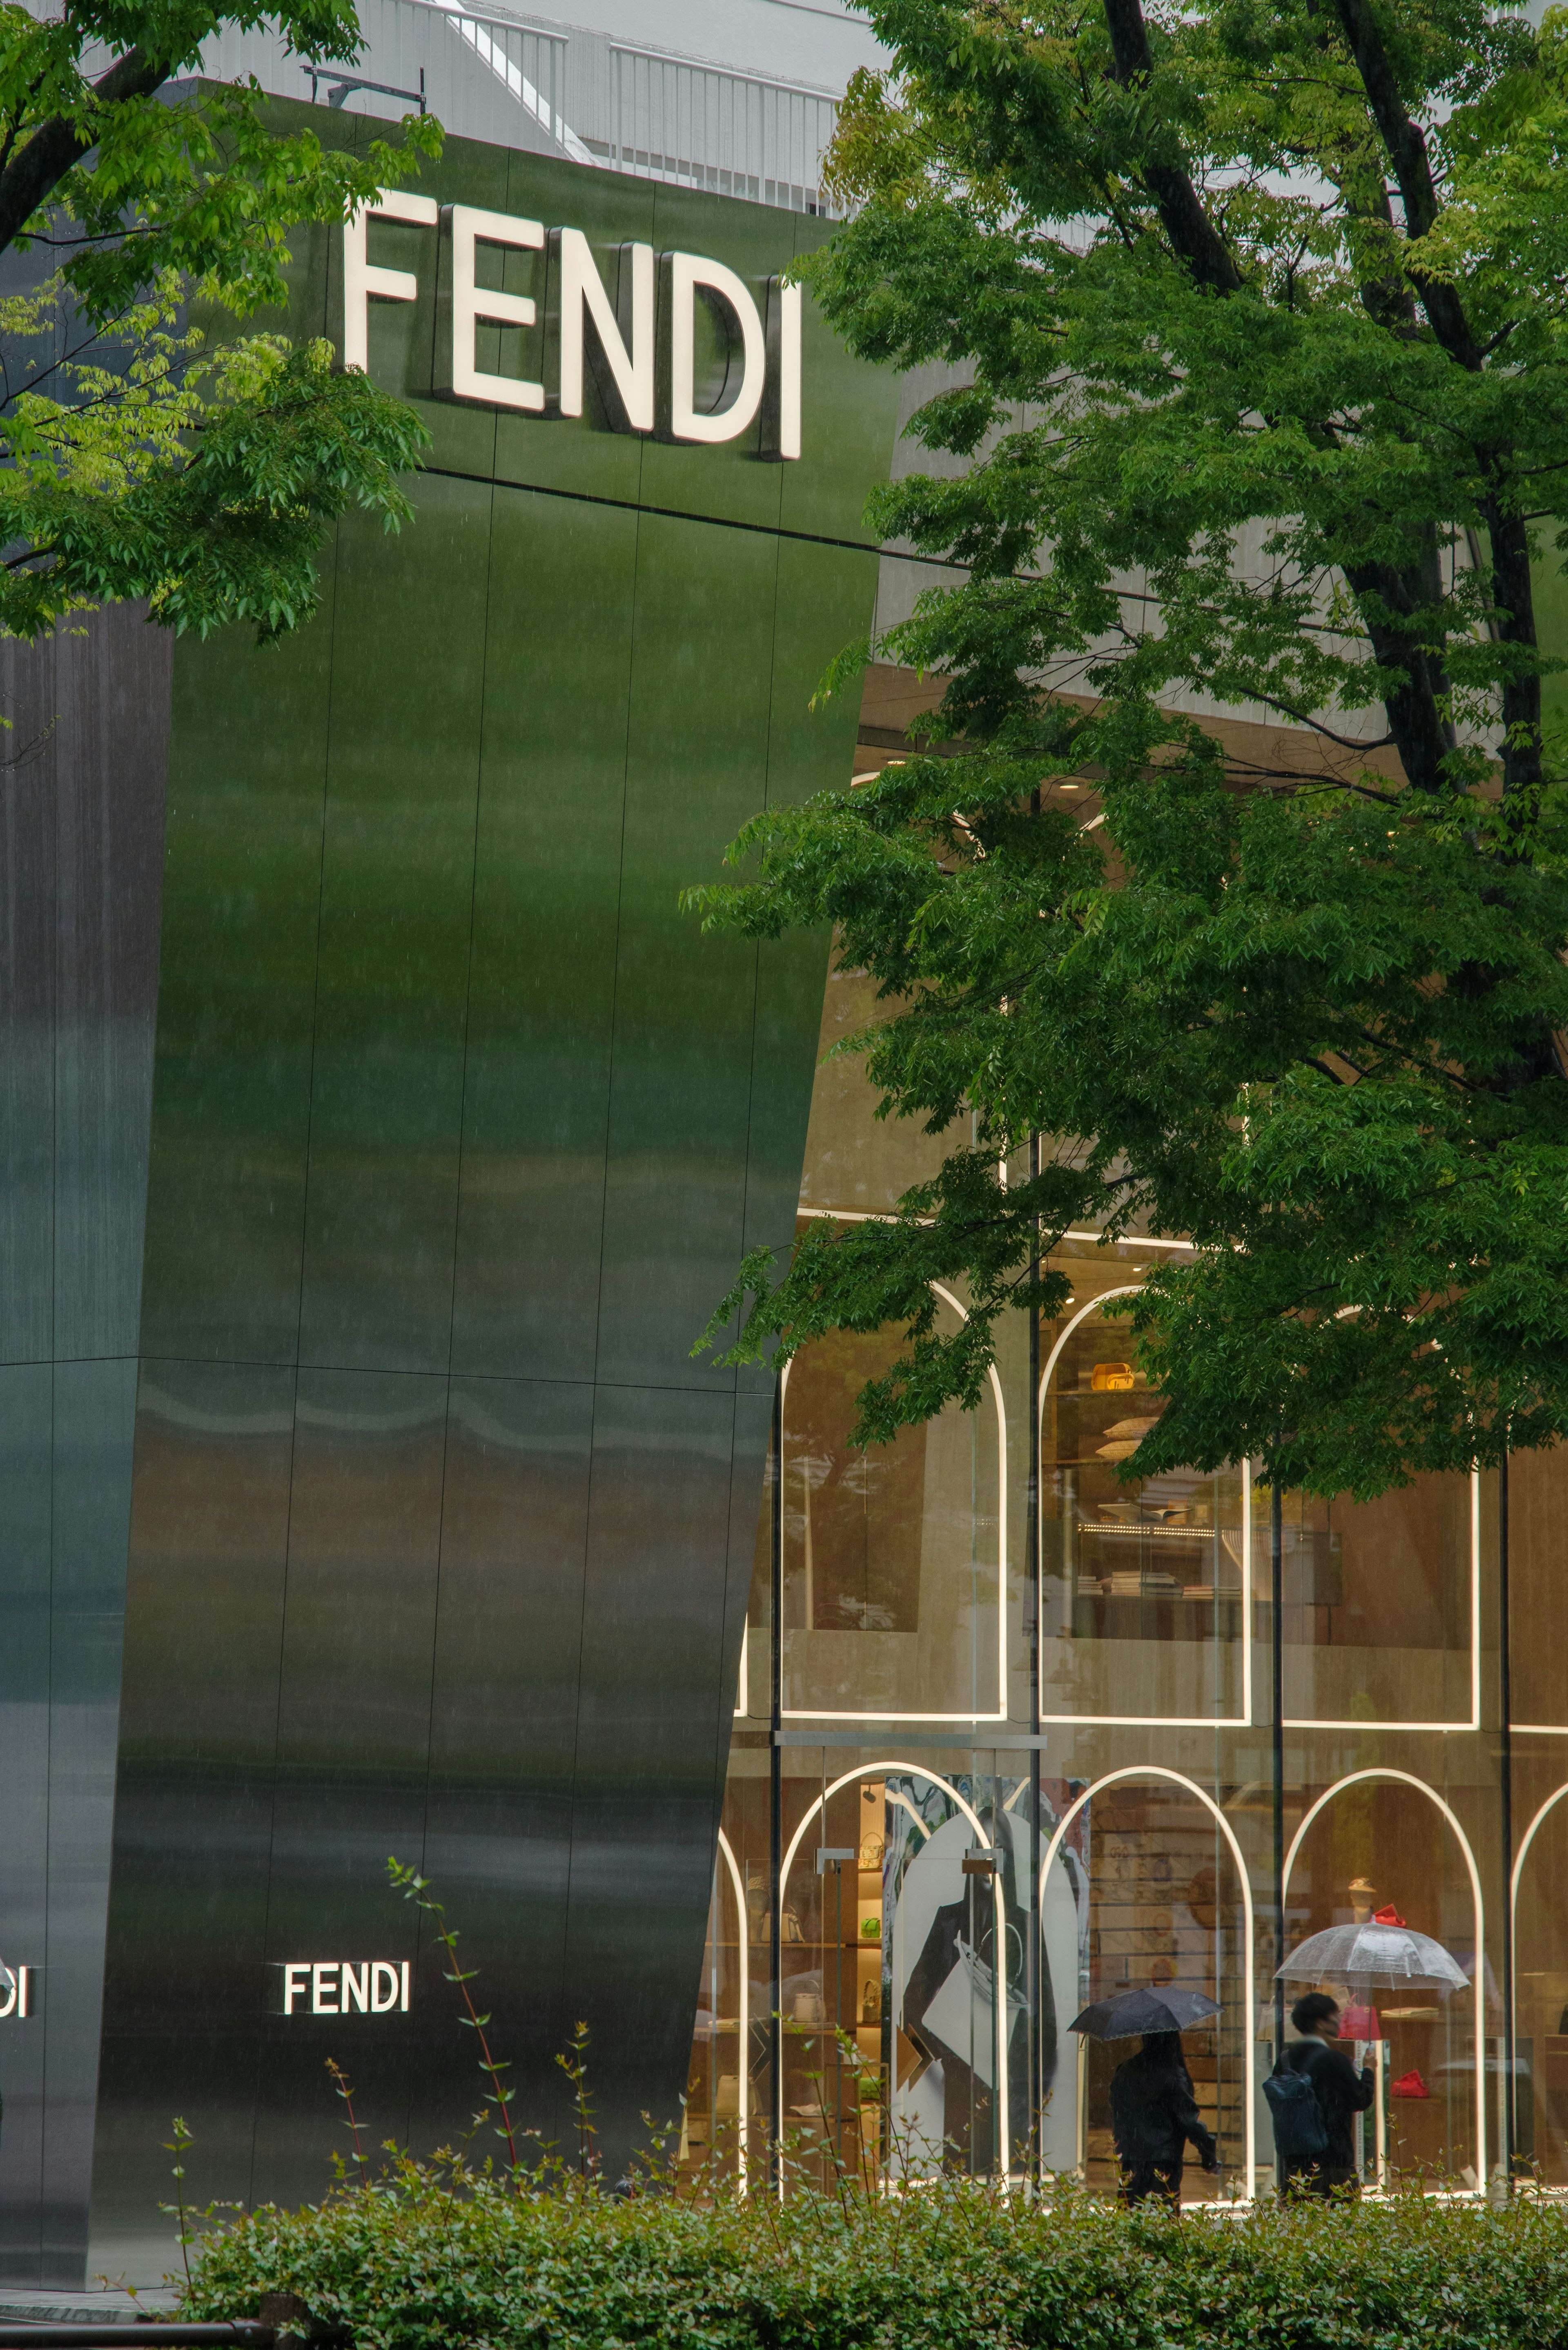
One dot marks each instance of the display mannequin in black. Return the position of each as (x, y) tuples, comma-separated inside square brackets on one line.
[(1153, 2114), (1342, 2093)]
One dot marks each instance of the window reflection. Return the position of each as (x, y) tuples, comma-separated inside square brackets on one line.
[(1377, 1603), (890, 1565), (1154, 1566)]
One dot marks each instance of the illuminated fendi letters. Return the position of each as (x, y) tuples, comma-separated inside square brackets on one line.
[(15, 1991), (344, 1986), (623, 330)]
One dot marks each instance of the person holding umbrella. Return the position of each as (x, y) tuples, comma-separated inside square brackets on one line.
[(1341, 2094), (1370, 1955), (1154, 2114)]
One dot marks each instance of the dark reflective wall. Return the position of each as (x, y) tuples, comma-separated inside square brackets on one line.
[(81, 822), (440, 1538)]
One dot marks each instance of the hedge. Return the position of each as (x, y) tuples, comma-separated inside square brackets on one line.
[(429, 2255)]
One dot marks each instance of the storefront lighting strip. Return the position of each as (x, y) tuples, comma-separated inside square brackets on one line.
[(743, 2036), (1406, 1779), (1177, 1778)]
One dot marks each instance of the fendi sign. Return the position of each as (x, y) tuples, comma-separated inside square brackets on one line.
[(644, 340), (344, 1986)]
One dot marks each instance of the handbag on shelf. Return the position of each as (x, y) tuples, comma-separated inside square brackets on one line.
[(1410, 2085)]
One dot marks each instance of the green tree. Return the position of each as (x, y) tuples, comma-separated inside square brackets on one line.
[(1259, 312), (144, 455)]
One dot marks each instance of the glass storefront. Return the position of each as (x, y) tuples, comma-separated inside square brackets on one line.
[(1005, 1744)]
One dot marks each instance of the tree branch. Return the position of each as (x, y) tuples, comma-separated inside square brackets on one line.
[(1407, 145), (1193, 236), (31, 177)]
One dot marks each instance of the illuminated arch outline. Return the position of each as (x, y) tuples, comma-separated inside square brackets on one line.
[(1152, 1720), (1515, 1876), (743, 2062), (854, 1713), (1159, 1771), (1407, 1779), (932, 1779)]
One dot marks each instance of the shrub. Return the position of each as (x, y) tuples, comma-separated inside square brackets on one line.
[(436, 2254)]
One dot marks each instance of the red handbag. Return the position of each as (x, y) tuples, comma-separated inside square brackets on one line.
[(1408, 2085), (1389, 1917), (1360, 2023)]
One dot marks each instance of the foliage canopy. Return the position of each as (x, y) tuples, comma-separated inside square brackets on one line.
[(140, 456), (1257, 313)]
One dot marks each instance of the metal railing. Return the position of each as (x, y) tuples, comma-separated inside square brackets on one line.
[(483, 76), (702, 127)]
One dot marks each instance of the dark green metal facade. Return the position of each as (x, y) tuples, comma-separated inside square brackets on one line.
[(440, 1539)]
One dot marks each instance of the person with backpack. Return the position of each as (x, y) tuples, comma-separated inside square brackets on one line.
[(1154, 2114), (1314, 2094)]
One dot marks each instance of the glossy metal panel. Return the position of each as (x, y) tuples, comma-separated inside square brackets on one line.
[(236, 995), (545, 906), (353, 1744), (397, 897), (80, 858), (504, 1729), (649, 1697), (90, 1508), (194, 1794), (79, 894), (26, 1422), (110, 756)]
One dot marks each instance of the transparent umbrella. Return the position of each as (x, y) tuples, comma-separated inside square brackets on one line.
[(1374, 1956)]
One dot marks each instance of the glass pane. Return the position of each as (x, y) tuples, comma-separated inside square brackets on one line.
[(1377, 1603), (1380, 1843), (1142, 1605), (890, 1555)]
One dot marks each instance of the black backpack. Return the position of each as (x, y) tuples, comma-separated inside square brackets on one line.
[(1300, 2133)]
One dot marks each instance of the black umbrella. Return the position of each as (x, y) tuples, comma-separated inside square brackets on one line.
[(1136, 2012)]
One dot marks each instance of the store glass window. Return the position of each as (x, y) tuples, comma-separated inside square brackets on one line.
[(1163, 1909), (892, 1556), (1379, 1842), (1143, 1611), (1378, 1603)]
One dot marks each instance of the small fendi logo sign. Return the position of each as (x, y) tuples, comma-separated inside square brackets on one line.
[(344, 1986), (641, 341)]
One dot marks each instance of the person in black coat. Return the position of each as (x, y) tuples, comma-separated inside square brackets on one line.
[(1341, 2093), (1153, 2115)]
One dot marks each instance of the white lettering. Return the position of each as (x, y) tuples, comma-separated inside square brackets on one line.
[(13, 1981), (23, 1986), (318, 1974), (360, 281), (383, 1970), (293, 1983), (688, 271), (462, 302), (782, 415), (356, 1986), (626, 376), (405, 1997)]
